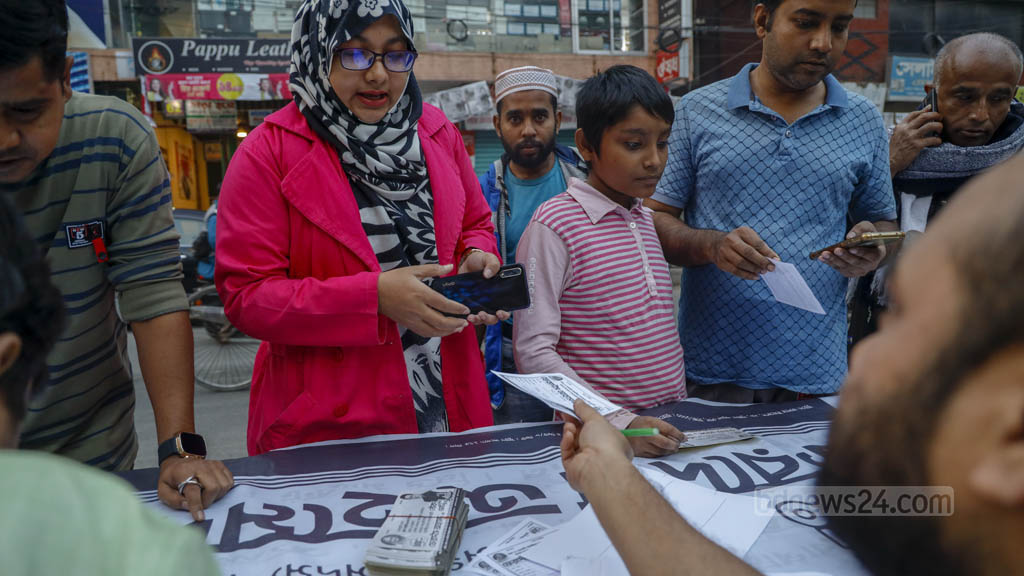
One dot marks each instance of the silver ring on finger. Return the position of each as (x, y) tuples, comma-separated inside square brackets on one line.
[(190, 480)]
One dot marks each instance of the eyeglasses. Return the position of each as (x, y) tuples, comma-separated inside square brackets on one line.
[(361, 59)]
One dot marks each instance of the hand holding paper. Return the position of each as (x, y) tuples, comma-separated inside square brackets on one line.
[(558, 391)]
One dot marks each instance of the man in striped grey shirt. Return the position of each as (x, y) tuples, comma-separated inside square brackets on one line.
[(86, 173)]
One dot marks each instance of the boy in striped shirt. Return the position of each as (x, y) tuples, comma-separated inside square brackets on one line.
[(602, 305)]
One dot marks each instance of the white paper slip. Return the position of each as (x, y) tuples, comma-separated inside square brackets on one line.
[(528, 529), (512, 560), (790, 288), (558, 391), (713, 436)]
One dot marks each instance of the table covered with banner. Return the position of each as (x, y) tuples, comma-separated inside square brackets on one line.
[(312, 510)]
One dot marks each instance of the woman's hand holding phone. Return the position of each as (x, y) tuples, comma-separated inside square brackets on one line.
[(403, 297), (475, 261)]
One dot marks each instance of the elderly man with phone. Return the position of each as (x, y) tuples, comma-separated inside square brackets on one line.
[(767, 165), (968, 123)]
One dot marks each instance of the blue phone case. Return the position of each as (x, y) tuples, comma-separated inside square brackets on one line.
[(506, 290)]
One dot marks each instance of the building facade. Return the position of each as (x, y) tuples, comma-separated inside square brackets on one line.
[(686, 44), (461, 42)]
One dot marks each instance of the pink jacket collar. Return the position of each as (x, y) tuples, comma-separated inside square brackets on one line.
[(317, 186)]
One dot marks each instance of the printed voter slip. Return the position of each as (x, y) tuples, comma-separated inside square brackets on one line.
[(789, 287), (558, 391), (712, 437)]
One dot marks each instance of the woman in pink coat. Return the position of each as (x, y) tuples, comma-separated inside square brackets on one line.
[(332, 214)]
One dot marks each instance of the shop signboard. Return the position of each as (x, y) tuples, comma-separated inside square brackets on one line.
[(667, 69), (908, 77), (213, 68), (210, 116)]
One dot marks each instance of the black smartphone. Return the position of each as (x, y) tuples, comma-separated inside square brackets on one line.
[(932, 99), (506, 290)]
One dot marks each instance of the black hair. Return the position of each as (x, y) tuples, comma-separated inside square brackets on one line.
[(771, 6), (30, 306), (554, 104), (34, 28), (607, 97)]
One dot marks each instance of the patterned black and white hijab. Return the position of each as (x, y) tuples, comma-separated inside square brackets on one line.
[(384, 157)]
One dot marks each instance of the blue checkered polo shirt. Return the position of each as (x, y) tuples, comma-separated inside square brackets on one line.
[(735, 162)]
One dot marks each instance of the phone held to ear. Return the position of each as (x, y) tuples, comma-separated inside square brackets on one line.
[(866, 239), (506, 290), (932, 99)]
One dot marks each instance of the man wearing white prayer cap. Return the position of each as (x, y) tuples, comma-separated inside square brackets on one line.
[(532, 170)]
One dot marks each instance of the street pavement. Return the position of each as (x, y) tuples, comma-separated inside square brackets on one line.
[(220, 417)]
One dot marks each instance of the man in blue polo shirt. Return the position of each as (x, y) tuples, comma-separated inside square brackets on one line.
[(773, 163)]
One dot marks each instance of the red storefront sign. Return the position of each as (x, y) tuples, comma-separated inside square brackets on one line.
[(667, 66)]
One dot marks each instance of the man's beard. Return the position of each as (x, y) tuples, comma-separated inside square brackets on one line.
[(515, 155), (886, 445), (792, 74)]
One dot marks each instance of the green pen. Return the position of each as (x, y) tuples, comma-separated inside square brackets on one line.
[(640, 432)]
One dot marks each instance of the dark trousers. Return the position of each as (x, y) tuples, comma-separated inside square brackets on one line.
[(518, 406)]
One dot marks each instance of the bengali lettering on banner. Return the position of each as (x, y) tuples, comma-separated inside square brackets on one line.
[(667, 69), (314, 509), (210, 116)]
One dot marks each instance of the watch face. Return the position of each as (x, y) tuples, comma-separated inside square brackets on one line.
[(193, 444)]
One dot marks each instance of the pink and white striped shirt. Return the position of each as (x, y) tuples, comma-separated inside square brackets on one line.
[(602, 306)]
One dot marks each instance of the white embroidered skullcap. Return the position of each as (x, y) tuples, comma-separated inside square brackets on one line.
[(524, 78)]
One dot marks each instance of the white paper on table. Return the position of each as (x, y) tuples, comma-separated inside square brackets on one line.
[(735, 523), (732, 521), (558, 391), (790, 288)]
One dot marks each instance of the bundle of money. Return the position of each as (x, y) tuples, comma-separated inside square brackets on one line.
[(421, 535)]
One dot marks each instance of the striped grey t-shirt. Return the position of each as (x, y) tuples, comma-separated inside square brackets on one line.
[(104, 178)]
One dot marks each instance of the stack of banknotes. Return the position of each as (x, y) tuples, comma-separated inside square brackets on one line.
[(421, 534)]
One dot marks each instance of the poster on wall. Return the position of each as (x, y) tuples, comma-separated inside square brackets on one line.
[(230, 86), (206, 116), (464, 102), (186, 192)]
